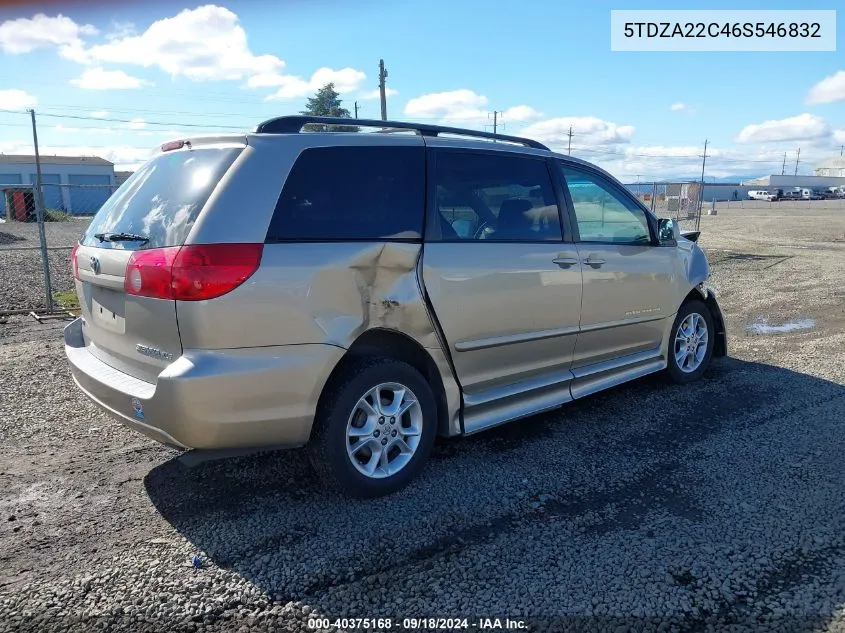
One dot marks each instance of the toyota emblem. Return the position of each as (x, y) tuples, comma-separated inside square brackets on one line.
[(95, 264)]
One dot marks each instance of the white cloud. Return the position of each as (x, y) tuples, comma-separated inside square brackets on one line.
[(520, 113), (14, 99), (24, 35), (99, 114), (839, 136), (828, 90), (586, 131), (677, 107), (292, 87), (202, 44), (88, 130), (454, 105), (120, 30), (798, 128), (463, 106), (98, 79), (137, 124), (374, 94)]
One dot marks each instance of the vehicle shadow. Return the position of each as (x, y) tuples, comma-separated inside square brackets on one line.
[(609, 463)]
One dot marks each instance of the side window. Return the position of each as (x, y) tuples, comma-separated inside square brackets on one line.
[(494, 197), (352, 193), (604, 214)]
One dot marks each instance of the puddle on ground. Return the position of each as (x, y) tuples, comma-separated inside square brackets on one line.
[(764, 327)]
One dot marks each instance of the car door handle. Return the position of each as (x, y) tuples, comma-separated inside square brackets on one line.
[(595, 263), (565, 262)]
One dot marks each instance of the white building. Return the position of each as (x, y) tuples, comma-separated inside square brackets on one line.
[(832, 167), (75, 184)]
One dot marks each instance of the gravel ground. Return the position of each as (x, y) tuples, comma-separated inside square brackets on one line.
[(22, 277), (719, 506)]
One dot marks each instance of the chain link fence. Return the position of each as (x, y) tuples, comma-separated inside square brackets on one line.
[(37, 233), (680, 201)]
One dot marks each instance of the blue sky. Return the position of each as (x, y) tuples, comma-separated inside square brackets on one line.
[(545, 66)]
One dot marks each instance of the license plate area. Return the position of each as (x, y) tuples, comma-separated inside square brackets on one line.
[(108, 309)]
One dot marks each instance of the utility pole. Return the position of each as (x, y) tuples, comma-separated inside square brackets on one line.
[(701, 192), (382, 75), (569, 148), (841, 149), (356, 109), (783, 168), (496, 114), (797, 159), (39, 212)]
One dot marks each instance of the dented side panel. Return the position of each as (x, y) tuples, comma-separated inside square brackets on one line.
[(326, 293), (305, 293)]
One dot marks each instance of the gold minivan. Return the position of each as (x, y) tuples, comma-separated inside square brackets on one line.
[(362, 292)]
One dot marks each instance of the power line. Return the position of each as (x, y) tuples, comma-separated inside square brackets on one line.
[(78, 117)]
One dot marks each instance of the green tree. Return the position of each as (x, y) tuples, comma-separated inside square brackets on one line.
[(326, 102)]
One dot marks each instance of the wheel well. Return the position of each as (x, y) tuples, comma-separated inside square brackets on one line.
[(392, 344), (720, 346)]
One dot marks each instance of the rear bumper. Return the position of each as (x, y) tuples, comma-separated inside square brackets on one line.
[(213, 399)]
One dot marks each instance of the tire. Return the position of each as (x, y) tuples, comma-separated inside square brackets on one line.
[(343, 422), (692, 366)]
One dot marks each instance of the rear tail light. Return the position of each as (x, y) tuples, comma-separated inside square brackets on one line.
[(191, 273), (75, 261)]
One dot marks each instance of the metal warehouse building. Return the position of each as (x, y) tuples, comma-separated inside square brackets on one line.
[(832, 167), (74, 184)]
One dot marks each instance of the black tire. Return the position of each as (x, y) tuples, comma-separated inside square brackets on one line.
[(673, 370), (328, 445)]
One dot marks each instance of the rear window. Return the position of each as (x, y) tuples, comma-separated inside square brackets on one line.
[(352, 193), (162, 200)]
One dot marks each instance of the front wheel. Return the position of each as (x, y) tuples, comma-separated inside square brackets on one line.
[(375, 427), (690, 343)]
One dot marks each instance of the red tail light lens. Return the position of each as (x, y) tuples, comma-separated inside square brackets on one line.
[(191, 273), (74, 261)]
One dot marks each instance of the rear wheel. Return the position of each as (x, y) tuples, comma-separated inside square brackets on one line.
[(375, 427), (691, 342)]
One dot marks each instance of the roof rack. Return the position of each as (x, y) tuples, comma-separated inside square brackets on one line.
[(294, 125)]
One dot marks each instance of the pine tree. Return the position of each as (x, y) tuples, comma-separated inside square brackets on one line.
[(326, 102)]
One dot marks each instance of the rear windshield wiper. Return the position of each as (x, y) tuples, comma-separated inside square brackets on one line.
[(121, 237)]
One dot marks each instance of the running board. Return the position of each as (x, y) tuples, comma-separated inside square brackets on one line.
[(497, 406)]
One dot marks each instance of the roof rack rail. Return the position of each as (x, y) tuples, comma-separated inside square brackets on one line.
[(294, 125)]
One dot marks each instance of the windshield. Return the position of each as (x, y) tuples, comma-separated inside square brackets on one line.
[(160, 202)]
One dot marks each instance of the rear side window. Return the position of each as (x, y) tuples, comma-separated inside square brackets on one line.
[(161, 201), (352, 193)]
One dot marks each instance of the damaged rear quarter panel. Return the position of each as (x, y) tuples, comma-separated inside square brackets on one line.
[(326, 293)]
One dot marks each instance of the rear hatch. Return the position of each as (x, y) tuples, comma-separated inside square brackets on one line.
[(147, 219)]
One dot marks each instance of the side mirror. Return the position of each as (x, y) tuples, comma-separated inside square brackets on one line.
[(667, 231)]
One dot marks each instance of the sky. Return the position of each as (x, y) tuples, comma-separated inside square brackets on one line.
[(116, 79)]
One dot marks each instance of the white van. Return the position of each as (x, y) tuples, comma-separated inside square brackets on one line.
[(762, 195)]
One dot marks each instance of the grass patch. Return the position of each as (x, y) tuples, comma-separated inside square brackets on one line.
[(52, 215), (67, 300)]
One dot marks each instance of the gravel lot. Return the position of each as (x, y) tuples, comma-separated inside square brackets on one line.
[(718, 506), (21, 276)]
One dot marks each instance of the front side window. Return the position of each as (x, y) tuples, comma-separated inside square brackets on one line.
[(494, 197), (603, 213), (352, 193)]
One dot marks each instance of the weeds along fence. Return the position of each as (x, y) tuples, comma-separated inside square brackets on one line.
[(37, 235)]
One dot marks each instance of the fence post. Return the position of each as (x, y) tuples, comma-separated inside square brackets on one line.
[(39, 214), (653, 194), (42, 238)]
